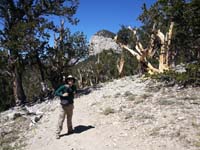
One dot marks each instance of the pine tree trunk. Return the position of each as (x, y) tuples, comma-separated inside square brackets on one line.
[(163, 65), (164, 53), (142, 67), (40, 67), (42, 83), (80, 82), (18, 91)]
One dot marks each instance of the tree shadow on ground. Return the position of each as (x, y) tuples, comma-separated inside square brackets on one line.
[(84, 91), (87, 90), (79, 129)]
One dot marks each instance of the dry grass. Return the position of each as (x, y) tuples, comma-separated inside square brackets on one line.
[(197, 141), (155, 132), (146, 96), (166, 102), (139, 101), (107, 96), (153, 89), (130, 96), (197, 144), (108, 110), (10, 139), (117, 95), (129, 115), (195, 125), (144, 116), (127, 93)]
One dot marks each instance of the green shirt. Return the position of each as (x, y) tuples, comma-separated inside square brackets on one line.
[(66, 89)]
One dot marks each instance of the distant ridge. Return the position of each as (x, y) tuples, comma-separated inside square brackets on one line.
[(106, 33)]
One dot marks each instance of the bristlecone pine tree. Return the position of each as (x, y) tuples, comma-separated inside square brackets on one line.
[(23, 23), (142, 54)]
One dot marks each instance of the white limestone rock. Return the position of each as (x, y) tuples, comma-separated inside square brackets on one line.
[(103, 40)]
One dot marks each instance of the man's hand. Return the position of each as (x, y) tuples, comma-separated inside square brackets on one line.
[(65, 94)]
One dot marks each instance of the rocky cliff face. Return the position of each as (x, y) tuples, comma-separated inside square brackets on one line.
[(103, 40)]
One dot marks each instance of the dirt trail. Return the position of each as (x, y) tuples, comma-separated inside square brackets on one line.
[(90, 132), (115, 117)]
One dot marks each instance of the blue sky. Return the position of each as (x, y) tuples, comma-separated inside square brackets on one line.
[(95, 15)]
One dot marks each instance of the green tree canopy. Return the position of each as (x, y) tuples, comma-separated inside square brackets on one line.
[(25, 26), (185, 14)]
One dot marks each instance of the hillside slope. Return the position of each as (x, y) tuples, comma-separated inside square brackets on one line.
[(127, 114)]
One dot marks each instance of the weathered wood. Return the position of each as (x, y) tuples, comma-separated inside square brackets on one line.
[(142, 54), (120, 65), (164, 52), (151, 50), (80, 81)]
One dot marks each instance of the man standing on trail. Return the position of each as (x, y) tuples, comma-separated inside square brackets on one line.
[(66, 93)]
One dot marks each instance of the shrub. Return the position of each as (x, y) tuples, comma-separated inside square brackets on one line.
[(190, 77), (108, 110)]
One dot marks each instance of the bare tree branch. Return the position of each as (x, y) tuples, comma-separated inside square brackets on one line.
[(5, 73), (120, 64), (161, 36), (151, 49)]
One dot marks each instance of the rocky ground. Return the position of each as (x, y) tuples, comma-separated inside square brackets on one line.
[(129, 113)]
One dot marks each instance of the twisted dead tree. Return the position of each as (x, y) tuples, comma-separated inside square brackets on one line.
[(142, 54)]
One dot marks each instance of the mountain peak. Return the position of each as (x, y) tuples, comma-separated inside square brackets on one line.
[(105, 33)]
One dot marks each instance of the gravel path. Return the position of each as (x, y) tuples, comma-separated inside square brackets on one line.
[(126, 114)]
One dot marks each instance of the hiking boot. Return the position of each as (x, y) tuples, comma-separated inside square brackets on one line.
[(70, 132), (57, 136)]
